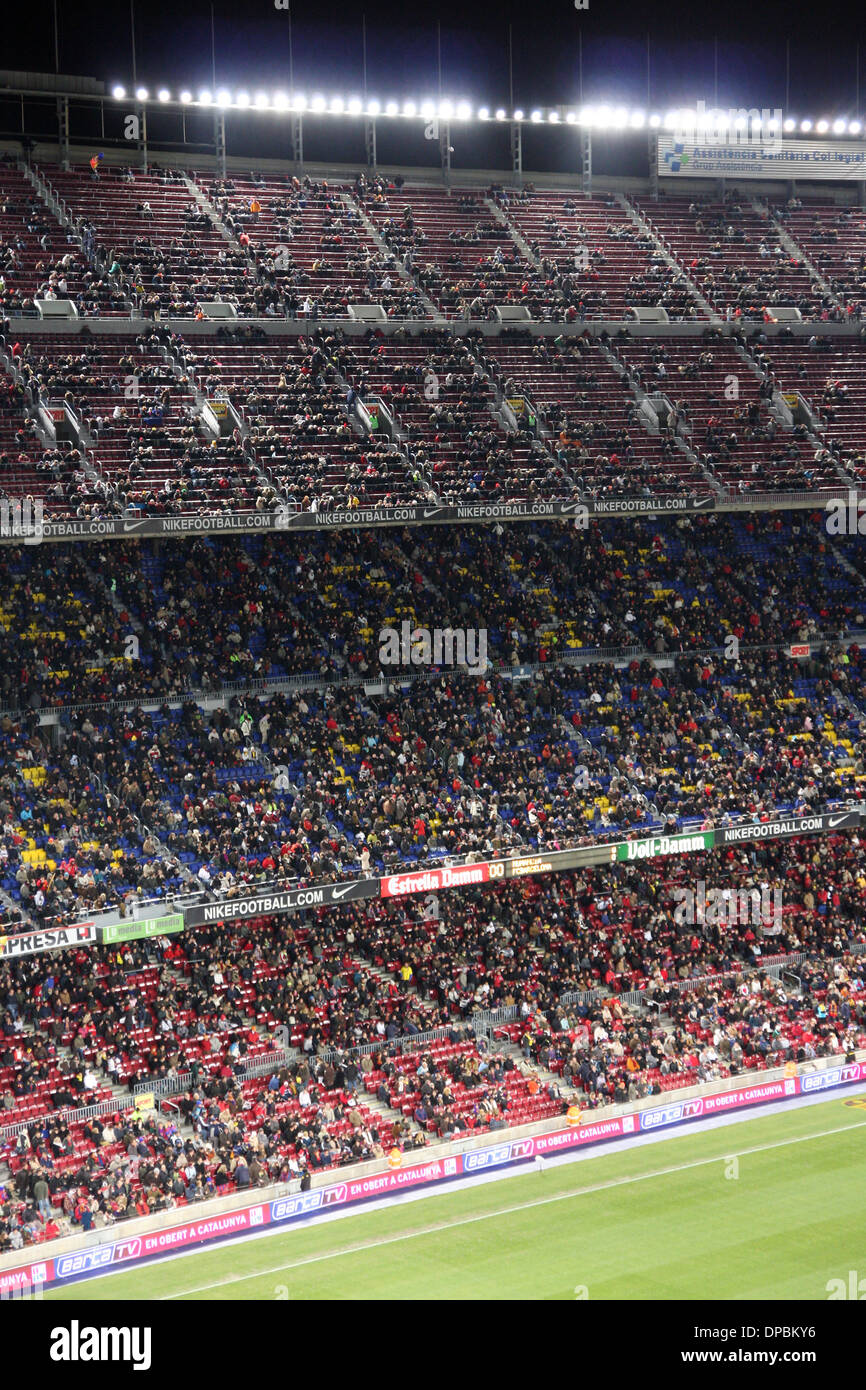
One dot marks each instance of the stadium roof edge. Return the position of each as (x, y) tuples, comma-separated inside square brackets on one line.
[(50, 83)]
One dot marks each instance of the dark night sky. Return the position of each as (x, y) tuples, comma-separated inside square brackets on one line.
[(252, 48), (252, 51)]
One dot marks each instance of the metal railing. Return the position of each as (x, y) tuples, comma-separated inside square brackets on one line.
[(409, 1042), (272, 1061), (71, 1115), (485, 1020), (767, 967), (182, 1081)]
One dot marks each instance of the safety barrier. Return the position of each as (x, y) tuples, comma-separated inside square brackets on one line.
[(770, 965), (71, 1115)]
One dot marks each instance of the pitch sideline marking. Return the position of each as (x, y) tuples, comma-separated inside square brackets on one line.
[(502, 1211)]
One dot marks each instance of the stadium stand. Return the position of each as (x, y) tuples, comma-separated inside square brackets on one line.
[(602, 262), (732, 252), (314, 784), (39, 259), (311, 246), (162, 250), (352, 989), (540, 591), (187, 721)]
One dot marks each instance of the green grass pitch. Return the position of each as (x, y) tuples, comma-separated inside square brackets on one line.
[(768, 1208)]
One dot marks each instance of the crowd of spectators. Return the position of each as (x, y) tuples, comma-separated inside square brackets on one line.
[(181, 756), (312, 252), (346, 993), (306, 432), (124, 620), (39, 259), (320, 783)]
